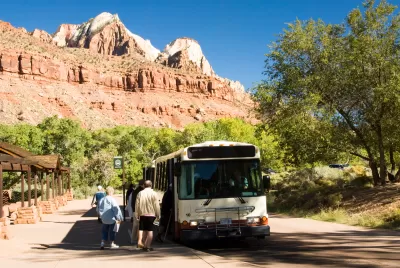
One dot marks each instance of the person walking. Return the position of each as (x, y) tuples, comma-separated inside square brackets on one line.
[(96, 199), (110, 214), (128, 201), (128, 193), (166, 210), (147, 210), (135, 225)]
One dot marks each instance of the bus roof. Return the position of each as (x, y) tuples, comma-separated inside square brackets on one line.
[(204, 144)]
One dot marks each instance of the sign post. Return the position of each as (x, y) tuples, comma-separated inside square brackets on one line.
[(119, 164)]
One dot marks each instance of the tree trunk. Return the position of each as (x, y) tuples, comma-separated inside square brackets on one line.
[(382, 162), (397, 175), (392, 163), (375, 173)]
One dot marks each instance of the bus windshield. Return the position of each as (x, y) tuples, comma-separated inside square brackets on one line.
[(220, 179)]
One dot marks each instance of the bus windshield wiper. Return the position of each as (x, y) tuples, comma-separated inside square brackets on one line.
[(241, 200), (207, 202)]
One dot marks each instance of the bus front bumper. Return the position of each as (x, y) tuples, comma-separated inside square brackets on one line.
[(209, 234)]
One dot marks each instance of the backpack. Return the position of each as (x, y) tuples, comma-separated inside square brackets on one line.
[(99, 196)]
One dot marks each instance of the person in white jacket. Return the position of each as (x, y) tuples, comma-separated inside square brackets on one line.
[(147, 209)]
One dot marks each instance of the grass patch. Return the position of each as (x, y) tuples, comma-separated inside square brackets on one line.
[(331, 215), (387, 220), (341, 196)]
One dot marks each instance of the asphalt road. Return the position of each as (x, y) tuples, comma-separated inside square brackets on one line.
[(297, 242), (71, 237)]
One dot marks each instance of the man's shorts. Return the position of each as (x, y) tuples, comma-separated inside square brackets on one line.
[(146, 223)]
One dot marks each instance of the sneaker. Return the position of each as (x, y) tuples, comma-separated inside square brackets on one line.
[(146, 249), (140, 246), (114, 246), (102, 245)]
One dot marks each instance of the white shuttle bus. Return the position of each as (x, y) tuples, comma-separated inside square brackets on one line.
[(218, 190)]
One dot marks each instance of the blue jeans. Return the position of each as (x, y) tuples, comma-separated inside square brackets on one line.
[(108, 229)]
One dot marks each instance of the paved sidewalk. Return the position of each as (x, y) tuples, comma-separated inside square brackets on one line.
[(71, 238)]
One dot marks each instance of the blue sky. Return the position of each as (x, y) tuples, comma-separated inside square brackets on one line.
[(233, 34)]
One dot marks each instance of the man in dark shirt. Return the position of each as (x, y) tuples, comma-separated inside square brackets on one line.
[(96, 199), (135, 226), (166, 210), (128, 193)]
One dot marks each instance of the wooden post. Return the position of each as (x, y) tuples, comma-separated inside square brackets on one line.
[(22, 189), (69, 181), (62, 183), (123, 185), (35, 185), (47, 186), (55, 184), (1, 191), (29, 185), (52, 185), (41, 186), (59, 184)]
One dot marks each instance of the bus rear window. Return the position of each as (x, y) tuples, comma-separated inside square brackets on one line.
[(221, 152)]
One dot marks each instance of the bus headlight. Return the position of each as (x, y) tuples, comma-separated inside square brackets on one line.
[(252, 220), (196, 222)]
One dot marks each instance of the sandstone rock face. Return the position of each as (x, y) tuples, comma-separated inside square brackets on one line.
[(142, 87), (42, 35), (236, 85), (63, 34), (107, 35), (190, 50), (37, 66)]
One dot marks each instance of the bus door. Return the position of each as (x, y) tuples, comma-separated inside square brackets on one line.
[(170, 179)]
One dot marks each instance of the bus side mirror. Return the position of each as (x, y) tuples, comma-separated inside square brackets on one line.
[(267, 182), (177, 169)]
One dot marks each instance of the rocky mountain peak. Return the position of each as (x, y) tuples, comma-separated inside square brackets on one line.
[(64, 33), (105, 34), (42, 35), (194, 53)]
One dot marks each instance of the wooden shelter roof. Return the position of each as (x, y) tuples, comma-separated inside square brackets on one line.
[(11, 163), (51, 161), (66, 169), (14, 150)]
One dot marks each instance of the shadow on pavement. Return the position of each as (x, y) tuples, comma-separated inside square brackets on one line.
[(343, 249), (85, 235), (338, 249)]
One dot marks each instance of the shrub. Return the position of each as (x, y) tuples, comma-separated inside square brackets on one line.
[(358, 170), (392, 220), (328, 173), (362, 182)]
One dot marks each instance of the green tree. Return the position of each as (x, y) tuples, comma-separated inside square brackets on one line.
[(346, 76), (65, 137), (195, 133), (23, 135), (232, 129)]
